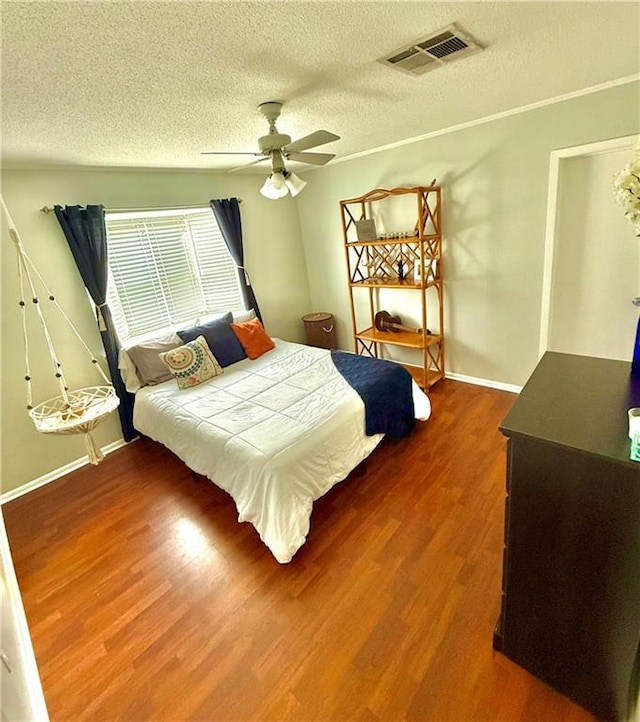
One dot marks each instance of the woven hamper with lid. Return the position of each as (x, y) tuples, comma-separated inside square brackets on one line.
[(320, 330)]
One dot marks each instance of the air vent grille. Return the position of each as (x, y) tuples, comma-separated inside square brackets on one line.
[(443, 46)]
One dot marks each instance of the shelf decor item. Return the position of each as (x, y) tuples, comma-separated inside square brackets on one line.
[(366, 230), (407, 263), (384, 321)]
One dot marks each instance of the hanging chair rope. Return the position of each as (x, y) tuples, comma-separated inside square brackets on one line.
[(71, 412), (23, 272), (25, 338), (60, 310)]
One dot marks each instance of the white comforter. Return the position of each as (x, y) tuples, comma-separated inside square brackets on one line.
[(275, 433)]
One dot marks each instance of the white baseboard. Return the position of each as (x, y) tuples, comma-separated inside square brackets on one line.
[(56, 473), (484, 382)]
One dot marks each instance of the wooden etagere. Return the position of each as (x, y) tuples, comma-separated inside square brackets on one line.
[(372, 266)]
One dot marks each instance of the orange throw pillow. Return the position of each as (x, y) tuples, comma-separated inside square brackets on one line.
[(253, 338)]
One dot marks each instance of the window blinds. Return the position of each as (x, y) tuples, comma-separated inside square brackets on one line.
[(166, 268)]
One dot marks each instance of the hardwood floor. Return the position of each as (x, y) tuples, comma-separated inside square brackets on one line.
[(148, 601)]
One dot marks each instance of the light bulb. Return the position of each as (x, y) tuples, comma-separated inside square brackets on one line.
[(294, 183), (266, 189), (277, 181), (274, 187)]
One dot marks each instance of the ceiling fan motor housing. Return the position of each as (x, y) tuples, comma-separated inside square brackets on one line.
[(273, 141)]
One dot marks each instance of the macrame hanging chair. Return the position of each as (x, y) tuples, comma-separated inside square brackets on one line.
[(71, 412)]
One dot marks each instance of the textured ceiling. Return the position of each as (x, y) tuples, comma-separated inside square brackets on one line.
[(152, 84)]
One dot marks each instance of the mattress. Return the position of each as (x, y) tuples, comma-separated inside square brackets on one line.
[(276, 433)]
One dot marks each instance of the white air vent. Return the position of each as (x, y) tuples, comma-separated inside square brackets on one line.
[(443, 46)]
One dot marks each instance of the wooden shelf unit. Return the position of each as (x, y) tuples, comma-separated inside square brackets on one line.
[(372, 266)]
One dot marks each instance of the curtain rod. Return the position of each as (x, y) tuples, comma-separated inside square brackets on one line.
[(49, 209)]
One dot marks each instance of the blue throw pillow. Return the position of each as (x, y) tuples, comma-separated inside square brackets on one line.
[(220, 338)]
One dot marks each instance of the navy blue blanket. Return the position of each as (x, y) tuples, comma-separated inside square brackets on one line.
[(386, 389)]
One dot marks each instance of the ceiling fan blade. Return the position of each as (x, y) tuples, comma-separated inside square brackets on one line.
[(320, 137), (246, 165), (313, 158), (228, 152)]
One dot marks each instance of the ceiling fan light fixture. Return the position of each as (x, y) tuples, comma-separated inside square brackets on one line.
[(294, 183), (278, 148), (274, 186)]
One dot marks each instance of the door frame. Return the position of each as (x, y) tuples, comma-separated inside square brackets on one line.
[(556, 158)]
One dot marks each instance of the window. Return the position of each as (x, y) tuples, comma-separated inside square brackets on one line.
[(167, 268)]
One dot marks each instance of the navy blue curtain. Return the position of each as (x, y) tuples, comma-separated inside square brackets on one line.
[(86, 234), (227, 213)]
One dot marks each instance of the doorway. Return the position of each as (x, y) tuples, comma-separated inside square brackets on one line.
[(592, 258)]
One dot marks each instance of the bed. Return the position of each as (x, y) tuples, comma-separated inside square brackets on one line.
[(276, 433)]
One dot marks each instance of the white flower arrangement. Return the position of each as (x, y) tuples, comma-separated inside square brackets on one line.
[(626, 186)]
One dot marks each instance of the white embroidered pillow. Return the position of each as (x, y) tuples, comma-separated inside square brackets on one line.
[(192, 363)]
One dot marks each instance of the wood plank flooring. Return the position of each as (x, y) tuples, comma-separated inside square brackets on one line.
[(148, 601)]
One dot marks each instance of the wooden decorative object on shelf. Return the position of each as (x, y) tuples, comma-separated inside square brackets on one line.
[(384, 321), (411, 262)]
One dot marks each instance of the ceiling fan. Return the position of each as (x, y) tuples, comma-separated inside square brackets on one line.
[(278, 147)]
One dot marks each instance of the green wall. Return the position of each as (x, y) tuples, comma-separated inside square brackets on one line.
[(495, 183), (273, 257)]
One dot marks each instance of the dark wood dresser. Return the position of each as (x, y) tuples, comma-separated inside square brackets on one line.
[(571, 567)]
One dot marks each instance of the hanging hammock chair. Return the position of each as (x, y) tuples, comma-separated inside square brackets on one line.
[(71, 412)]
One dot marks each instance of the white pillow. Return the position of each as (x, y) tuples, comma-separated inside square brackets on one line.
[(239, 316), (243, 316), (128, 372)]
